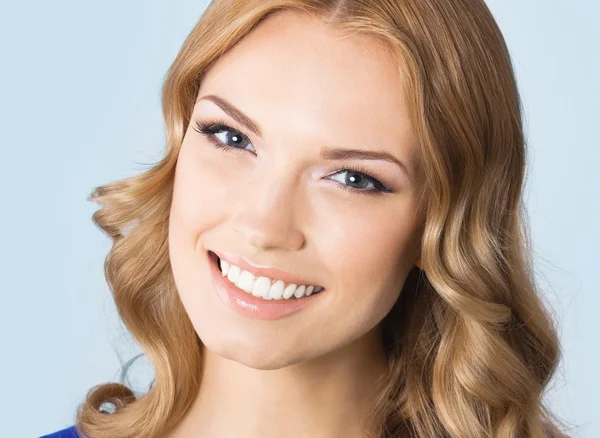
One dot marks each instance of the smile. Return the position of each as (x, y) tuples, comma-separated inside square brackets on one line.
[(281, 299), (264, 287)]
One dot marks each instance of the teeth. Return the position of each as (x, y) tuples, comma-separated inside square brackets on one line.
[(245, 281), (300, 291), (234, 273), (261, 286), (288, 292), (276, 291), (224, 267)]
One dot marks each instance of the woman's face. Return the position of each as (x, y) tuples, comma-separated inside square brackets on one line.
[(275, 200)]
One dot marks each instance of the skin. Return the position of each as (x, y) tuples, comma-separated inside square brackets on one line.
[(313, 373)]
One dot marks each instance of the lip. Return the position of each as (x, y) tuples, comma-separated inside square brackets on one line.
[(264, 271), (250, 305)]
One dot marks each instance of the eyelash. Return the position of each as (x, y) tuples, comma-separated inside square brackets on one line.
[(209, 129)]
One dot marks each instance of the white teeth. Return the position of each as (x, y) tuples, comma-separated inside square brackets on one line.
[(300, 291), (234, 273), (261, 286), (245, 281), (276, 291), (289, 291)]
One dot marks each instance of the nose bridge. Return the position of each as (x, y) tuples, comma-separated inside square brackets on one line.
[(267, 216)]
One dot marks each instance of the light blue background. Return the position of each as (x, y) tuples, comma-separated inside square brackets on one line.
[(79, 107)]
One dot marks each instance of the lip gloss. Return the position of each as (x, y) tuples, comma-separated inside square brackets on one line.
[(248, 304)]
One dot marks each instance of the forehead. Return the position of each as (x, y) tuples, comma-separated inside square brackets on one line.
[(295, 71)]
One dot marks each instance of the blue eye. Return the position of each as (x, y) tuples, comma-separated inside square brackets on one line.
[(210, 131), (359, 176), (239, 141)]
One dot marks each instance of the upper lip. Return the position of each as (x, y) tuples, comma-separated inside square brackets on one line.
[(267, 271)]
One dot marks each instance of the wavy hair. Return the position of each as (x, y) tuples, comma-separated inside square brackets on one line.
[(470, 343)]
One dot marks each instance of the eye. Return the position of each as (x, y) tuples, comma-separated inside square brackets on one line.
[(223, 136), (220, 135), (358, 177)]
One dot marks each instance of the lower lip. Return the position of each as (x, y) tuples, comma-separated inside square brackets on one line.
[(250, 305)]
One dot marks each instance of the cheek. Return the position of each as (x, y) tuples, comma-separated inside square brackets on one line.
[(370, 268), (193, 211), (197, 189), (370, 245)]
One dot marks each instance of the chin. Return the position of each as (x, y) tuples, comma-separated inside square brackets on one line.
[(265, 354)]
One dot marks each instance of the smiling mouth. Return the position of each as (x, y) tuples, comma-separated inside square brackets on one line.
[(216, 259)]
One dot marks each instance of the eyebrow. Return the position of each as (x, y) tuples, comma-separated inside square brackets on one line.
[(327, 153), (234, 113)]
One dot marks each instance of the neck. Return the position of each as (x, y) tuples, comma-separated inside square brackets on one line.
[(324, 398)]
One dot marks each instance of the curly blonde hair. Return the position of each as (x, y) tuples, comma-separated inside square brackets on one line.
[(471, 346)]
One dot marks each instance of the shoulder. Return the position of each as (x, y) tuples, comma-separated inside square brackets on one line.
[(69, 432)]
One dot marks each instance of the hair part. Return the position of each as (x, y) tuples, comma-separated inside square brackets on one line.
[(471, 346)]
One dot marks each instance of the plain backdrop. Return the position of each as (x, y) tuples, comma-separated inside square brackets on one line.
[(80, 106)]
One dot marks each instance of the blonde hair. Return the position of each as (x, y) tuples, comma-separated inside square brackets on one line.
[(471, 346)]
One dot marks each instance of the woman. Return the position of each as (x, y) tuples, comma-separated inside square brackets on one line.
[(334, 244)]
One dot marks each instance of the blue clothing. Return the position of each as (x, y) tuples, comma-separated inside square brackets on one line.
[(65, 433)]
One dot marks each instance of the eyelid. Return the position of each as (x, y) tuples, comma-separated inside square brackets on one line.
[(225, 125)]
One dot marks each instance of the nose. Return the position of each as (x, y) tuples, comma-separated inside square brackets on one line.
[(268, 215)]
